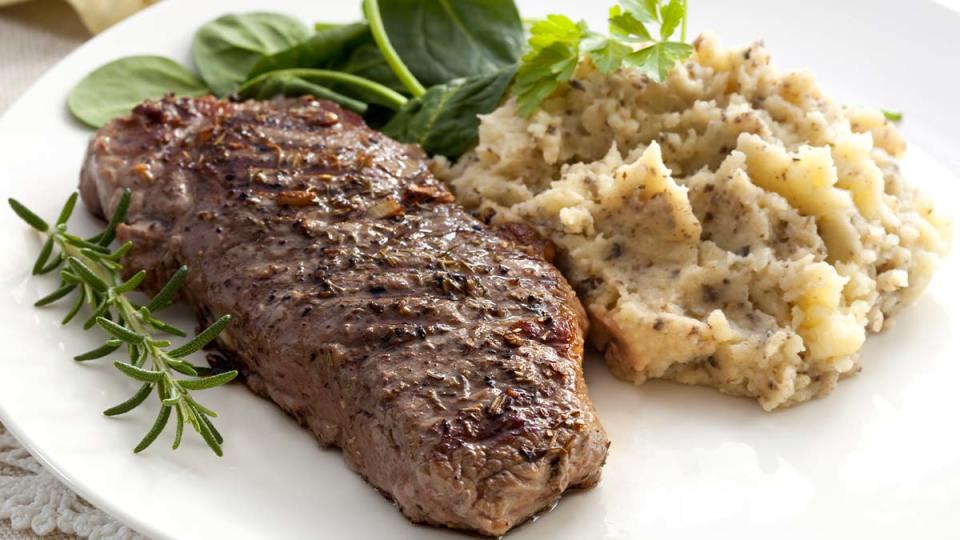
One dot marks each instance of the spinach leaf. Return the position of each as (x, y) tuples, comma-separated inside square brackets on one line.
[(441, 40), (320, 26), (371, 11), (348, 48), (445, 119), (279, 83), (318, 51), (117, 87), (227, 48), (348, 90), (367, 61)]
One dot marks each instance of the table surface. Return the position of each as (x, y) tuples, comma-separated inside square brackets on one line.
[(34, 36)]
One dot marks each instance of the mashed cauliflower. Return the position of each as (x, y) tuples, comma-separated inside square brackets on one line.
[(732, 227)]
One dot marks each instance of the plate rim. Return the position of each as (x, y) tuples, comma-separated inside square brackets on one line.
[(128, 518)]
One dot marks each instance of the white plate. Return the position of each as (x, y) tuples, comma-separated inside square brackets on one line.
[(878, 459)]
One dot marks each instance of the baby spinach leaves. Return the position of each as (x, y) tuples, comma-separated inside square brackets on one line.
[(293, 83), (371, 10), (117, 87), (442, 40), (367, 61), (348, 48), (423, 69), (445, 119), (332, 85), (465, 52), (227, 48), (479, 38), (322, 49)]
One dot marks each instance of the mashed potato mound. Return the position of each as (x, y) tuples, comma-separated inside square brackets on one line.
[(732, 227)]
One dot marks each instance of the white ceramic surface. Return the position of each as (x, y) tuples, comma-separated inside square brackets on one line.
[(878, 459)]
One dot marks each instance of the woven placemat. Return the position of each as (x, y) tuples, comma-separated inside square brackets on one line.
[(6, 532)]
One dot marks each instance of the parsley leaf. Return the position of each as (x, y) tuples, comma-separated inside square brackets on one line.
[(541, 72), (892, 116), (609, 55), (552, 58), (555, 28), (645, 10), (657, 60), (557, 43), (672, 15), (627, 27)]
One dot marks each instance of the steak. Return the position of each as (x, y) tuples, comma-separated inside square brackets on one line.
[(442, 357)]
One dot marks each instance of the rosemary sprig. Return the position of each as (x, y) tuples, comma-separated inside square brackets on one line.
[(92, 273)]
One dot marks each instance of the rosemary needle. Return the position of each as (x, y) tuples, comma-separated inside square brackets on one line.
[(92, 273)]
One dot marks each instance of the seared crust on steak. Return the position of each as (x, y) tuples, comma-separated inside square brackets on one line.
[(440, 356)]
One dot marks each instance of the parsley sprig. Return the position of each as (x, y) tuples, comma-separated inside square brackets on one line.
[(556, 44), (893, 116), (92, 272)]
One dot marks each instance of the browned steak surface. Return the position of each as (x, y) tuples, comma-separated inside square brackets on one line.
[(441, 357)]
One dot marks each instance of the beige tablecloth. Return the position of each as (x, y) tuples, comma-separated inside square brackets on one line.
[(33, 37)]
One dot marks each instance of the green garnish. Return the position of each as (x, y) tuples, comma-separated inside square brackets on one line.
[(417, 68), (348, 48), (92, 273), (892, 116), (553, 57), (371, 10), (557, 43), (318, 82), (443, 40), (421, 69), (445, 119), (115, 88), (227, 48)]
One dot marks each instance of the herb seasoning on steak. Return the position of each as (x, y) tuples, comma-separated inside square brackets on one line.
[(442, 357)]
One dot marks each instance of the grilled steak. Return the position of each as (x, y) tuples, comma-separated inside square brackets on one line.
[(442, 357)]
